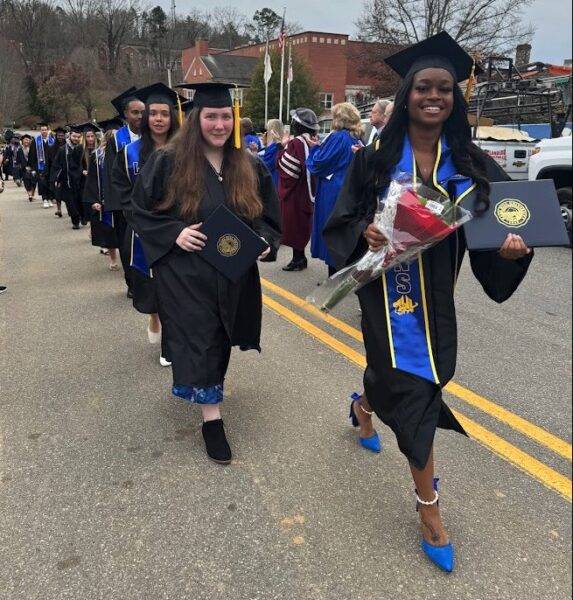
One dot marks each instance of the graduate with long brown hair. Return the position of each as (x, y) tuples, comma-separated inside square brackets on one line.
[(203, 312)]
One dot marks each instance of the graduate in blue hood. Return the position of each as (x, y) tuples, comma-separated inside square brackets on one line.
[(160, 121), (329, 161), (411, 355)]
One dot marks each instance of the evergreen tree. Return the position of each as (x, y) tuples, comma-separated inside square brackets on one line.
[(304, 90)]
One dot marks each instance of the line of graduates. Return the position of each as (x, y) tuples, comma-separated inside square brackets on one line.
[(154, 187)]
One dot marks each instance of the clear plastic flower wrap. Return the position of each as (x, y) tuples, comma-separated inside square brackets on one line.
[(412, 217)]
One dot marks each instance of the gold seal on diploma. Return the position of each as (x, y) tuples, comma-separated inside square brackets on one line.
[(512, 213), (228, 245)]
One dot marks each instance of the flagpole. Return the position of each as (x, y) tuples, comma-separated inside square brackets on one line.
[(266, 86), (281, 98), (289, 79)]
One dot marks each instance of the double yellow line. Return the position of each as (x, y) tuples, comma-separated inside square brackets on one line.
[(523, 461)]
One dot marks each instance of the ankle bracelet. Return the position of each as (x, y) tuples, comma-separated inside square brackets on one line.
[(369, 413), (431, 503)]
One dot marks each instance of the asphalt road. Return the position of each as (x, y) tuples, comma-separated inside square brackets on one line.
[(106, 493)]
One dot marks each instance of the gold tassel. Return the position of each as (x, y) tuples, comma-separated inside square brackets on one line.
[(180, 110), (237, 119), (471, 83)]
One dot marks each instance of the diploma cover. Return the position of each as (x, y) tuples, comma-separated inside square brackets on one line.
[(529, 209), (232, 247)]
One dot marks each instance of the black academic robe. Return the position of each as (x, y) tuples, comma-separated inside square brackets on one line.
[(204, 313), (103, 234), (52, 168), (66, 172), (26, 169), (143, 288), (43, 177), (410, 405)]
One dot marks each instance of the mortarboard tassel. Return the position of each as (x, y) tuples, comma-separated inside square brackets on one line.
[(471, 83), (180, 110), (237, 119)]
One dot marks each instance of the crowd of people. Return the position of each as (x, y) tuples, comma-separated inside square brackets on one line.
[(148, 179)]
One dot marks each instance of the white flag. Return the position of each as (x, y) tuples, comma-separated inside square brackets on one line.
[(290, 73), (268, 66)]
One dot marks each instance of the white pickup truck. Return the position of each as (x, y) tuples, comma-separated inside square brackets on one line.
[(510, 148), (552, 159)]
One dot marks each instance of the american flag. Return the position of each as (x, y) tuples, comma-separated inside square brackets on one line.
[(282, 34)]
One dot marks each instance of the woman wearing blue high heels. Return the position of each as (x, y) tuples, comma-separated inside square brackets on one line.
[(411, 355)]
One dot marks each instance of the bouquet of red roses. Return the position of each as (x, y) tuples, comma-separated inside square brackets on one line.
[(412, 217)]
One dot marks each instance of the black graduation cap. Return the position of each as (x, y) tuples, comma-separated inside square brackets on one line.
[(439, 51), (119, 101), (85, 127), (113, 123), (42, 124), (26, 136), (158, 93), (211, 95), (60, 130)]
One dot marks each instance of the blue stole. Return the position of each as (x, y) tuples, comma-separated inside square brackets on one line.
[(40, 151), (105, 216), (138, 260), (404, 287), (122, 137)]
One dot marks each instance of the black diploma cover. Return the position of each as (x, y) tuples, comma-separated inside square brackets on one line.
[(232, 247), (529, 209)]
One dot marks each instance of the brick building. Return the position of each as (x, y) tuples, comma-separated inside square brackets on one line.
[(334, 59)]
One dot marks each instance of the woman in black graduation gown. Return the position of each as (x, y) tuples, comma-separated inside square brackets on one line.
[(204, 313), (23, 157), (411, 357), (103, 234), (159, 123)]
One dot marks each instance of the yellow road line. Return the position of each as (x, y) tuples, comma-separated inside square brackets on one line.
[(523, 461), (534, 432)]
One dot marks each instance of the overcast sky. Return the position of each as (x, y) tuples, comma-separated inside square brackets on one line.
[(552, 19)]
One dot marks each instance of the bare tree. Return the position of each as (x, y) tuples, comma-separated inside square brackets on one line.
[(480, 26), (10, 84), (117, 18)]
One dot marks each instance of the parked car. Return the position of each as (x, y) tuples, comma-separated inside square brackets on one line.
[(551, 159)]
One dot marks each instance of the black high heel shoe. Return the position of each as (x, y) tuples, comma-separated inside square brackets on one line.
[(296, 265)]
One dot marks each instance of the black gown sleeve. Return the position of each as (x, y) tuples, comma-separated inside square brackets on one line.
[(498, 277), (268, 225), (33, 158), (121, 183), (56, 166), (91, 193), (158, 230), (343, 231)]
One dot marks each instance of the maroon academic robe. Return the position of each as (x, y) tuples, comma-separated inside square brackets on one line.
[(296, 193)]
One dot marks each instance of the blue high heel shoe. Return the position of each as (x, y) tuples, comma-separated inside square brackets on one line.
[(373, 442), (442, 556)]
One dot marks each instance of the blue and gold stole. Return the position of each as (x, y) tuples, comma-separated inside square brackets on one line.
[(405, 287), (105, 216), (40, 151), (138, 260), (122, 137)]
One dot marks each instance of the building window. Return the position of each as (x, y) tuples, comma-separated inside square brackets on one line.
[(336, 41), (194, 72), (327, 100), (322, 40), (325, 126), (329, 40), (343, 42), (314, 39)]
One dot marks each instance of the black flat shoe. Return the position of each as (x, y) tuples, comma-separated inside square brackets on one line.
[(216, 445), (299, 265), (129, 294), (58, 214), (75, 226)]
